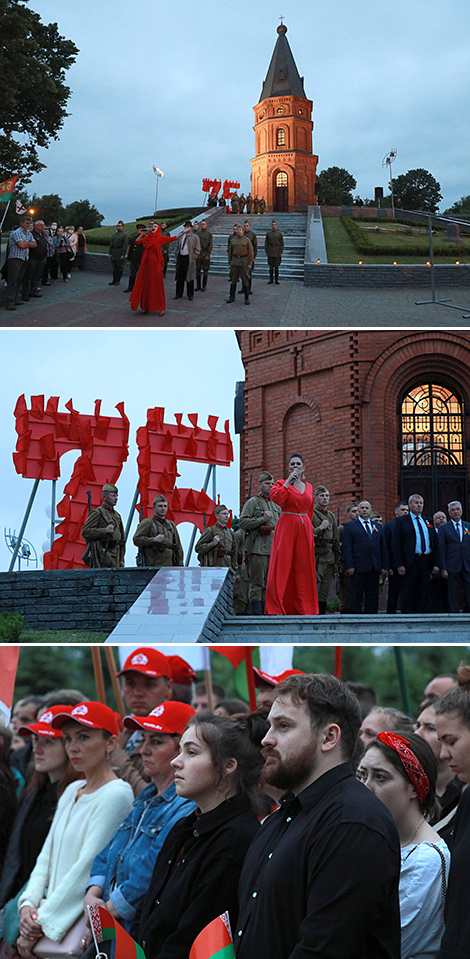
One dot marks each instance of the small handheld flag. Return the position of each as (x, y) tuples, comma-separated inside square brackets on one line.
[(19, 208), (214, 941), (105, 928)]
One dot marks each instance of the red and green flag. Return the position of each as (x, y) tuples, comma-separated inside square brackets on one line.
[(7, 187), (214, 941), (107, 929)]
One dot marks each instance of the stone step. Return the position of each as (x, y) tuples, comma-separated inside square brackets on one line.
[(341, 629)]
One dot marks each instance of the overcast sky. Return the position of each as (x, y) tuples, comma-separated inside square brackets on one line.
[(186, 371), (173, 84)]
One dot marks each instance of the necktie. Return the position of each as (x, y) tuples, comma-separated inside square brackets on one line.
[(369, 527), (422, 536), (458, 530)]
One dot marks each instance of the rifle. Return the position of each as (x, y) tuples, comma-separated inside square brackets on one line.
[(92, 545)]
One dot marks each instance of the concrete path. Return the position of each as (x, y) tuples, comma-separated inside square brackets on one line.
[(87, 301)]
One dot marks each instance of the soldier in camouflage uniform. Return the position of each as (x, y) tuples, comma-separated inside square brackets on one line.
[(103, 533), (157, 538), (203, 261), (343, 589), (258, 518), (217, 545), (327, 549)]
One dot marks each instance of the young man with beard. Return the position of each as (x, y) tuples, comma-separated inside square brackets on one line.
[(321, 877)]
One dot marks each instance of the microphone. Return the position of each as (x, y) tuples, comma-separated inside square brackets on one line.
[(294, 478)]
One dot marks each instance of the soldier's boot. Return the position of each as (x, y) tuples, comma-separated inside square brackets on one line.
[(256, 607), (231, 299), (276, 275), (246, 291), (130, 284), (322, 607), (198, 282), (190, 289), (117, 275), (204, 282), (271, 275)]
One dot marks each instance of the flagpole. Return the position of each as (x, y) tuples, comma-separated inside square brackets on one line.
[(98, 671), (208, 679), (338, 661), (108, 651), (250, 678), (4, 217)]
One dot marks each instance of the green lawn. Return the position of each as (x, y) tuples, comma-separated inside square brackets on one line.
[(341, 248), (61, 636)]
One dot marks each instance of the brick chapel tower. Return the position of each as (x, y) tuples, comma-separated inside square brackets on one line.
[(284, 168), (379, 414)]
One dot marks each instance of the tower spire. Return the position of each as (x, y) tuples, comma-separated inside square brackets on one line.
[(282, 78)]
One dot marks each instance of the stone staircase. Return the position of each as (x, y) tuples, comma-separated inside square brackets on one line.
[(293, 226)]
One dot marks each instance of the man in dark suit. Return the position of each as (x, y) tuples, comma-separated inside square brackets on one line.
[(365, 557), (454, 551), (415, 556), (394, 580)]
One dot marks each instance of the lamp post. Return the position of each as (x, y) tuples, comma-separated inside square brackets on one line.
[(158, 173), (387, 161)]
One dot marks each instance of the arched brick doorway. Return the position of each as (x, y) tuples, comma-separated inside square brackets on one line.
[(281, 192)]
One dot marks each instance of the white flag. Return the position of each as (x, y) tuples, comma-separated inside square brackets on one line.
[(19, 208)]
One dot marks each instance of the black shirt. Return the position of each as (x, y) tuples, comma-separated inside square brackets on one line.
[(321, 877), (189, 889), (456, 938)]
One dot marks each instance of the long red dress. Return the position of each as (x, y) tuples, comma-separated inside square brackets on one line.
[(149, 291), (292, 583)]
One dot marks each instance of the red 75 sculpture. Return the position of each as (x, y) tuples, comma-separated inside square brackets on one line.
[(44, 435)]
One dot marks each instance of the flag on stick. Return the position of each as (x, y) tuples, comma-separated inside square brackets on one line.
[(6, 189), (105, 928), (214, 941), (8, 666)]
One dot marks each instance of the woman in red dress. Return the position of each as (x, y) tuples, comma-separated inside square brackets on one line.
[(148, 291), (292, 583)]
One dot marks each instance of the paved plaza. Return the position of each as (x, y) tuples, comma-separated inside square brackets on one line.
[(87, 301)]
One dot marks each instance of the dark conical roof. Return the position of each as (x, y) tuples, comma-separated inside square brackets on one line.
[(282, 78)]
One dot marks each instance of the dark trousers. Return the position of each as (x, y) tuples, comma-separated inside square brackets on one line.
[(364, 586), (182, 267), (416, 588), (394, 590), (63, 264), (32, 275), (458, 582), (15, 272)]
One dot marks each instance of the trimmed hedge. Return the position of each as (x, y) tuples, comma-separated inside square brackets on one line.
[(364, 243), (102, 235)]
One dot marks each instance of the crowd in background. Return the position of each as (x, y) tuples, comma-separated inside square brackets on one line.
[(36, 255), (182, 812)]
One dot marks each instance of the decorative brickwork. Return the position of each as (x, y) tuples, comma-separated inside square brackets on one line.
[(335, 397)]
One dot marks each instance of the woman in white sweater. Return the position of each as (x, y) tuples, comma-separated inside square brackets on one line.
[(88, 814)]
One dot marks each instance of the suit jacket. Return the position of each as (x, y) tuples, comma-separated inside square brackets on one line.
[(404, 542), (363, 551), (454, 554), (387, 530)]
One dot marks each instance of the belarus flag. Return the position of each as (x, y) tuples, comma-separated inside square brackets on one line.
[(215, 941), (106, 929), (8, 666), (7, 187)]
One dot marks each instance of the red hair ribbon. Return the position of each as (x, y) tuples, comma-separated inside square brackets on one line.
[(411, 765)]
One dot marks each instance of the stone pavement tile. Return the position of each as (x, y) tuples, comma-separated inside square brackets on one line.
[(88, 301)]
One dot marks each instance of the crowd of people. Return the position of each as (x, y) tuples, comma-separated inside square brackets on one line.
[(321, 823), (36, 254), (289, 552)]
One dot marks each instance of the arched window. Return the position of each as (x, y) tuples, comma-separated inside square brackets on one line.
[(431, 427), (281, 137), (281, 179)]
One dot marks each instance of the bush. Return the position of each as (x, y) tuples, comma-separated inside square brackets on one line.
[(11, 627)]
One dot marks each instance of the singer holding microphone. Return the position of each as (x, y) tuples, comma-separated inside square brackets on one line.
[(292, 585)]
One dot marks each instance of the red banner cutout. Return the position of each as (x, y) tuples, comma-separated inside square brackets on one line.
[(44, 435), (161, 445)]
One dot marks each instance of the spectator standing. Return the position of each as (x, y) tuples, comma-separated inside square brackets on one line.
[(21, 241), (36, 263), (81, 249)]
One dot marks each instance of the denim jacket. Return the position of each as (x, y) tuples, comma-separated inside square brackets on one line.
[(123, 869)]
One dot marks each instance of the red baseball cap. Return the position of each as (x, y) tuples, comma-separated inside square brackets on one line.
[(94, 715), (274, 680), (170, 717), (148, 661), (43, 726), (181, 671)]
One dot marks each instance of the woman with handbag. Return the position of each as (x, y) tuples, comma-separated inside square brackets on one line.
[(51, 775), (87, 816), (401, 770)]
